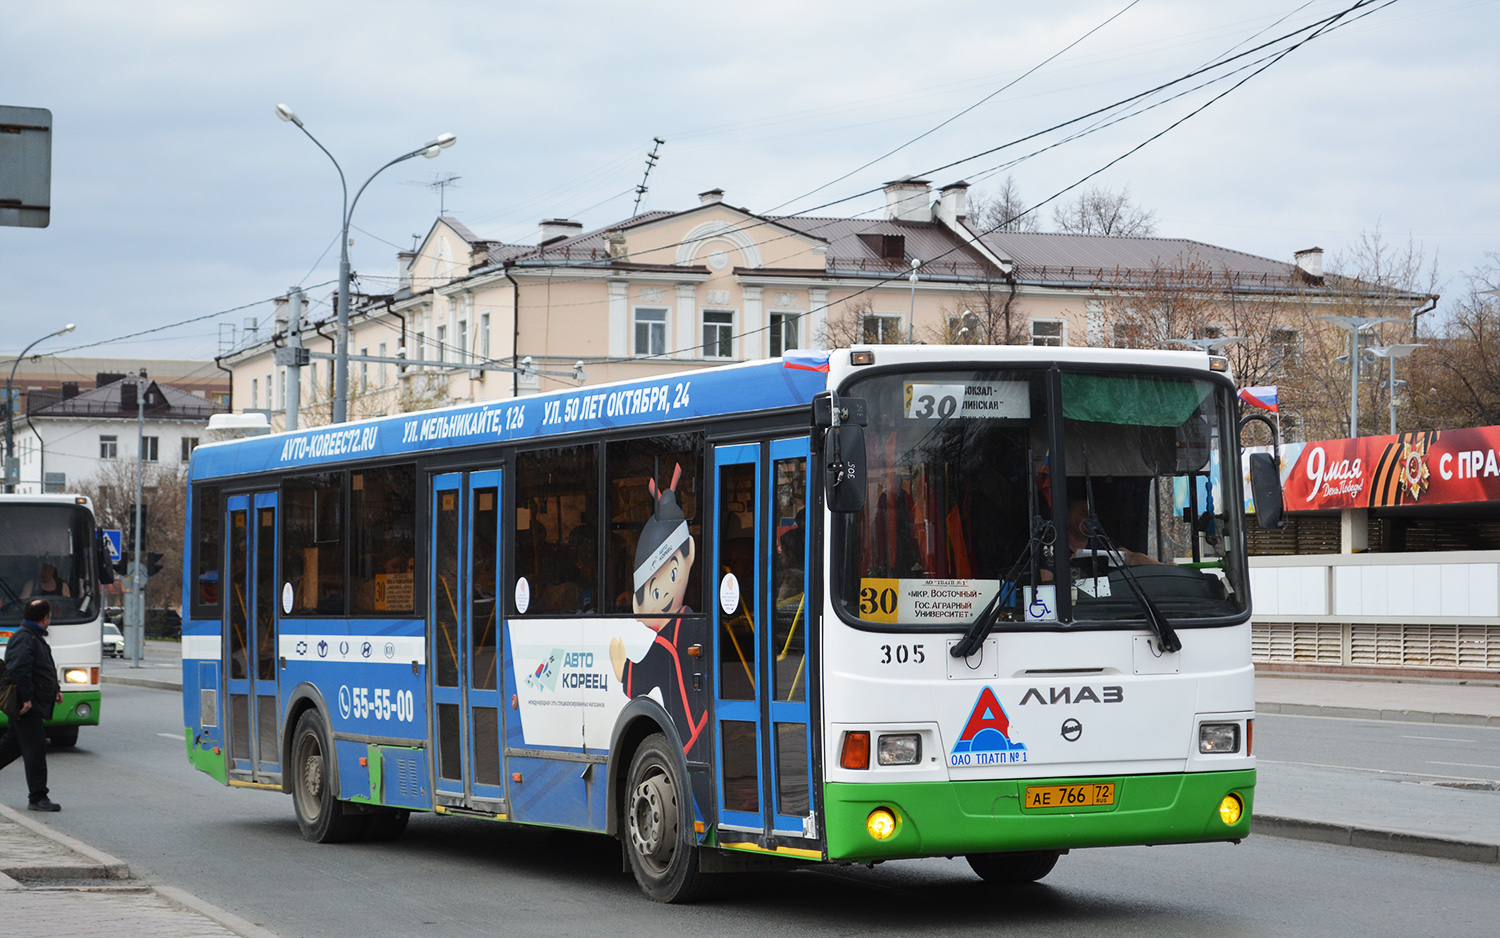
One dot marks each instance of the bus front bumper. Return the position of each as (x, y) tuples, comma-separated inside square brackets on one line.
[(951, 818), (78, 708)]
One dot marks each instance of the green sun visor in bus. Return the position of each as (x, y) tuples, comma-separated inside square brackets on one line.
[(1132, 401)]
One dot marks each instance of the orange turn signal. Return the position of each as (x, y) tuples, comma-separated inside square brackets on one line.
[(856, 753)]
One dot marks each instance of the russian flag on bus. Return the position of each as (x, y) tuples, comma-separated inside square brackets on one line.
[(1262, 397), (805, 359)]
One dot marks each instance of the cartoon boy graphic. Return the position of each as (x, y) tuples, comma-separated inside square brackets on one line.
[(663, 561)]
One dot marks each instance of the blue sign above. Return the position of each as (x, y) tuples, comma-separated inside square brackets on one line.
[(114, 539)]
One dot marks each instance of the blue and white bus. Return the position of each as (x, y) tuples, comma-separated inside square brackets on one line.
[(880, 603)]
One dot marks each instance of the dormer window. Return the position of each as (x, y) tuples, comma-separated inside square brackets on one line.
[(888, 247)]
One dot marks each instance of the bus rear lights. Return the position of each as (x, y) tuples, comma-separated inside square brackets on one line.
[(900, 749), (1230, 809), (881, 824), (856, 750), (76, 676), (1219, 737)]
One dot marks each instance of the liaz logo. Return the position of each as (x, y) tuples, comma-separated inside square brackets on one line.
[(986, 737), (545, 675), (1112, 693)]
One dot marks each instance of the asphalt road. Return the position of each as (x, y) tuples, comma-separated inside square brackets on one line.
[(1435, 753), (128, 790)]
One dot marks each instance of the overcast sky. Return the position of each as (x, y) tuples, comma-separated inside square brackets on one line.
[(176, 192)]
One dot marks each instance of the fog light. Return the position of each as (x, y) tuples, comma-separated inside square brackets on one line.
[(76, 676), (83, 710), (1219, 737), (903, 749), (1230, 810), (881, 824)]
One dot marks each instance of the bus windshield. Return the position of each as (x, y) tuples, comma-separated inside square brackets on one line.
[(969, 506), (46, 552)]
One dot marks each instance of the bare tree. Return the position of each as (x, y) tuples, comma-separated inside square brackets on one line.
[(1003, 211), (1455, 381), (857, 323), (1102, 211), (984, 314), (164, 492)]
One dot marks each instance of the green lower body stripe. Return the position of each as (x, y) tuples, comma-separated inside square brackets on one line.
[(949, 818)]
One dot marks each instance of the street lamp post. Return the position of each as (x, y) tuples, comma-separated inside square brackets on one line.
[(1390, 353), (341, 346), (12, 470), (1356, 325)]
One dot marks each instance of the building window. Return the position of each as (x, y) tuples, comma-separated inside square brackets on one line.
[(364, 369), (189, 443), (650, 331), (109, 446), (718, 333), (783, 332), (463, 340), (1283, 346), (1047, 332), (254, 392), (270, 394), (149, 448), (1125, 335), (380, 369), (880, 330), (484, 335), (442, 343)]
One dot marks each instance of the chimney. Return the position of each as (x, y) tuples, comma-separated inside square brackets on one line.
[(908, 199), (953, 202), (710, 197), (127, 396), (555, 229), (1310, 262), (616, 242), (107, 377), (69, 389), (403, 268)]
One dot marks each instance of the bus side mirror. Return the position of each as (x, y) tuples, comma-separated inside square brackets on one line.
[(1265, 487), (844, 475), (102, 561)]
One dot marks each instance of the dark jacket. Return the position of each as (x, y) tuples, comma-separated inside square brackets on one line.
[(29, 666)]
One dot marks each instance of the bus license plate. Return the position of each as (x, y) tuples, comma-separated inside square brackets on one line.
[(1070, 796)]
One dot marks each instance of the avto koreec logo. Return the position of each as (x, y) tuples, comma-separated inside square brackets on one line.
[(986, 737)]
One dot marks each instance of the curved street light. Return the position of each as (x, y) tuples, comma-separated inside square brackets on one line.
[(10, 406), (429, 150), (1390, 353), (1356, 325)]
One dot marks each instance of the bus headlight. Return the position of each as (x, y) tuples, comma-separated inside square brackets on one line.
[(881, 824), (1230, 810), (76, 676), (1219, 737), (900, 749)]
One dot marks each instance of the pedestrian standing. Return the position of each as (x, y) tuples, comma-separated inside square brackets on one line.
[(29, 666)]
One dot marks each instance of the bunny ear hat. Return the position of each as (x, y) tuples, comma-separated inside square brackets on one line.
[(664, 534)]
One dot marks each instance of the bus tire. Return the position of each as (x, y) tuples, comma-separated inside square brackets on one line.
[(320, 816), (1012, 868), (387, 826), (658, 828), (64, 737)]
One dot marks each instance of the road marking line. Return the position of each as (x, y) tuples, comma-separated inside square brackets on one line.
[(1441, 739), (1467, 765), (176, 736), (1356, 768)]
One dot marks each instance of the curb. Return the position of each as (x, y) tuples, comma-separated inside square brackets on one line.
[(117, 869), (1370, 713), (1347, 835), (139, 682)]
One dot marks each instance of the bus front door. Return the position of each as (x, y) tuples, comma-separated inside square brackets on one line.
[(465, 673), (250, 651), (761, 641)]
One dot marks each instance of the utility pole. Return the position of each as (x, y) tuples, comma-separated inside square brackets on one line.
[(293, 363), (135, 613)]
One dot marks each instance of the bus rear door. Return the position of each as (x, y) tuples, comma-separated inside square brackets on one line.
[(250, 653)]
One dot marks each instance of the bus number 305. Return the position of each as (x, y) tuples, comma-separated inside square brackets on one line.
[(380, 703)]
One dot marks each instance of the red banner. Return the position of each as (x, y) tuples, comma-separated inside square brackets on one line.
[(1432, 467)]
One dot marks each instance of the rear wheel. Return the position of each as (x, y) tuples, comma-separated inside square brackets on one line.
[(659, 825), (64, 736), (1021, 867), (320, 815)]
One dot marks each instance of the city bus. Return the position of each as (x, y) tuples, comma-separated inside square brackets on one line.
[(871, 604), (50, 549)]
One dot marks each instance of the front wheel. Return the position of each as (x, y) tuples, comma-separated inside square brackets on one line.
[(64, 737), (659, 825), (1011, 868), (320, 816)]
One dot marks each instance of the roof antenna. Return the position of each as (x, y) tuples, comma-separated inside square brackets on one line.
[(641, 189), (442, 183)]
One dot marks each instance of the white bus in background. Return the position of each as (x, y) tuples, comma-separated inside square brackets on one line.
[(50, 549)]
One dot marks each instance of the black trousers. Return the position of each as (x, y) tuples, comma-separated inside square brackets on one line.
[(26, 738)]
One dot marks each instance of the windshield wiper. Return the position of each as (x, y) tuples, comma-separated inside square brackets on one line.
[(1166, 636), (1042, 535), (9, 592)]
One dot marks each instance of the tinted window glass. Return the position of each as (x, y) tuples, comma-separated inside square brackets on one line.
[(557, 528), (312, 559), (382, 533)]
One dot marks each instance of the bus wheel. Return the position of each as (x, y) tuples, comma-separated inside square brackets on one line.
[(1022, 867), (387, 826), (658, 825), (319, 814), (65, 737)]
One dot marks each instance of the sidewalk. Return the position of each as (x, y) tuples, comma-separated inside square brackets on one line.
[(50, 882), (1385, 811)]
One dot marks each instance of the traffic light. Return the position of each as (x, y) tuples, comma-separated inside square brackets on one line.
[(153, 563), (122, 566)]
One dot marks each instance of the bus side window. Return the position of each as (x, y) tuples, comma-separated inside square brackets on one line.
[(312, 556), (209, 546), (632, 466), (557, 528), (382, 535)]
